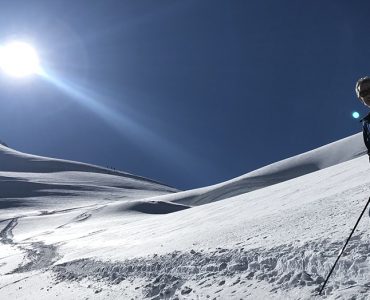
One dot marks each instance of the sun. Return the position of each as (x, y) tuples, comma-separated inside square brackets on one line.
[(19, 59)]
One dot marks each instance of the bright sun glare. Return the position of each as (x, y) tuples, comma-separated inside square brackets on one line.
[(19, 59)]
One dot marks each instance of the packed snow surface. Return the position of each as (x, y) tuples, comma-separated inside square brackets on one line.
[(70, 230)]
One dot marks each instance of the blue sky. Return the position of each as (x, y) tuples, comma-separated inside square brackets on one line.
[(189, 93)]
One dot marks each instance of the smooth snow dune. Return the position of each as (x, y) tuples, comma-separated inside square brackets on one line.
[(21, 184), (15, 161), (30, 183), (308, 162)]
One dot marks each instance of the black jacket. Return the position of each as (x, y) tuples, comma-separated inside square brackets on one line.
[(366, 132)]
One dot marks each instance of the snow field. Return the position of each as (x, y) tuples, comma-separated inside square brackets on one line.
[(270, 234)]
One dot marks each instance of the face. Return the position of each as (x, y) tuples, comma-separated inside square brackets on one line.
[(364, 93)]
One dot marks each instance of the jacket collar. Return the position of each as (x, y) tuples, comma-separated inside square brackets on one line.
[(367, 118)]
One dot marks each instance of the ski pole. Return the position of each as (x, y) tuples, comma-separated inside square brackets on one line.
[(344, 247)]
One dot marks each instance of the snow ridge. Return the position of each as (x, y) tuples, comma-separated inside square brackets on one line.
[(299, 165), (15, 161)]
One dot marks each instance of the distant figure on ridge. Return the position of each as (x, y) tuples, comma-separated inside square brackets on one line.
[(363, 93)]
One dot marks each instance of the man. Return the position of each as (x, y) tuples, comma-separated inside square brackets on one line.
[(363, 93)]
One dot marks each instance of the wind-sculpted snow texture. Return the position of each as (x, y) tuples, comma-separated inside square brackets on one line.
[(271, 234), (284, 268)]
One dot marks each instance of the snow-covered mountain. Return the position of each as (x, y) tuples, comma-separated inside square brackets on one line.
[(311, 161), (60, 183), (70, 230)]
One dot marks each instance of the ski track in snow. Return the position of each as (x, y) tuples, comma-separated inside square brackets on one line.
[(284, 268), (39, 255), (6, 235)]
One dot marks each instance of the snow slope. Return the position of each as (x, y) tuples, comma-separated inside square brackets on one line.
[(32, 183), (15, 161), (311, 161), (270, 234)]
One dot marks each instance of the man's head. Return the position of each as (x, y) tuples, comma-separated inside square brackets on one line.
[(363, 90)]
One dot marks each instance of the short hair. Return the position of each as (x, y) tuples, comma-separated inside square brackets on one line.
[(363, 90), (360, 82)]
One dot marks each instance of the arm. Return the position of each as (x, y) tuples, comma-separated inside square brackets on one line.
[(366, 135)]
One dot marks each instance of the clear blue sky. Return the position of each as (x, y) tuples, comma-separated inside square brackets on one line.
[(189, 93)]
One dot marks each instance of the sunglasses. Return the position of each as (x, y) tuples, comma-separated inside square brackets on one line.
[(364, 93)]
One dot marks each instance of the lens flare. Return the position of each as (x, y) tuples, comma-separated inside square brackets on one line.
[(355, 115), (136, 131)]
